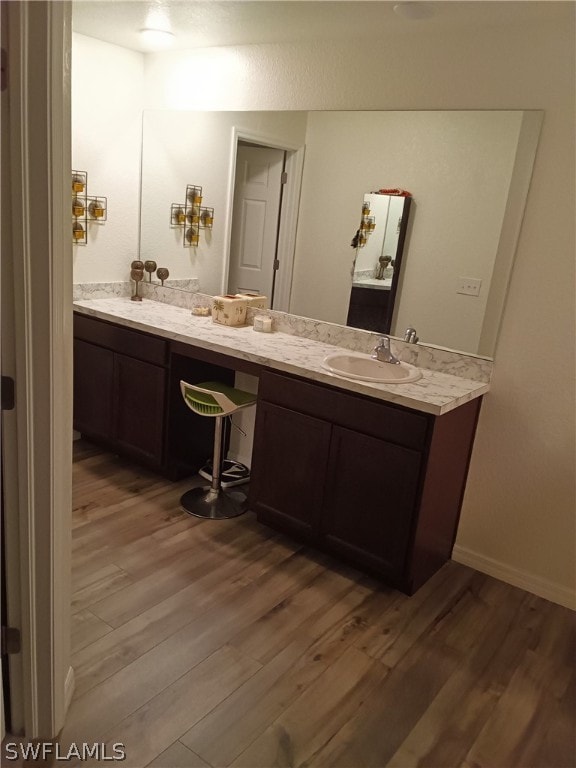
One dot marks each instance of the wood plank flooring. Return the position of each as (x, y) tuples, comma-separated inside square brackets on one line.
[(200, 644)]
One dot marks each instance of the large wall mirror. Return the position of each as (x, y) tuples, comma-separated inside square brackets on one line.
[(468, 173)]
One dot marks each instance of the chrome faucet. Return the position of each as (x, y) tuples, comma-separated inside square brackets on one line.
[(383, 352), (410, 336)]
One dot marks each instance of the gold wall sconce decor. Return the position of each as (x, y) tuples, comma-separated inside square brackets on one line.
[(367, 226), (85, 208), (191, 216)]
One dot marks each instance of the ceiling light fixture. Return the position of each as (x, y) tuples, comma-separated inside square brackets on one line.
[(156, 39), (414, 10)]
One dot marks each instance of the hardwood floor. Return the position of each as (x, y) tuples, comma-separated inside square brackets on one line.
[(200, 643)]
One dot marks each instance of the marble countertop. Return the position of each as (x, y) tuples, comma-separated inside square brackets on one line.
[(435, 392), (372, 282)]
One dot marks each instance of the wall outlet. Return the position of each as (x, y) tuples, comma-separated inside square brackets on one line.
[(470, 286)]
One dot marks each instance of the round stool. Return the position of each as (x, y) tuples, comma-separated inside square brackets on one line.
[(215, 400)]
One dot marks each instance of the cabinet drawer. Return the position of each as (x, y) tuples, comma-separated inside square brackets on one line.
[(135, 344), (376, 419)]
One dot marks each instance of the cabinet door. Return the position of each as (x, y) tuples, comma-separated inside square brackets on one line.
[(139, 407), (93, 380), (370, 500), (289, 469)]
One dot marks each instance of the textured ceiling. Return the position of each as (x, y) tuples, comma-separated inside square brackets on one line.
[(204, 24)]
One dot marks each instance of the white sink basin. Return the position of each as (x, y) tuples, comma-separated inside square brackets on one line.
[(354, 365)]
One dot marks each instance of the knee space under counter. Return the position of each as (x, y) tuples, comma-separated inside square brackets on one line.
[(241, 444)]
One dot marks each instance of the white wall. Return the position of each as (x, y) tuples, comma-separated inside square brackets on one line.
[(107, 84), (458, 166), (518, 514), (182, 148)]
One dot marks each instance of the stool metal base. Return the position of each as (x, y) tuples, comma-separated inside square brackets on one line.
[(213, 505)]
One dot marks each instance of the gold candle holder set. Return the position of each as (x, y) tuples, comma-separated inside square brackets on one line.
[(191, 216), (85, 208)]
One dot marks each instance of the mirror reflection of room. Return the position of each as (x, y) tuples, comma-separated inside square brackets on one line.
[(460, 163), (379, 245)]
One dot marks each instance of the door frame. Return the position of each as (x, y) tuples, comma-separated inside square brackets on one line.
[(288, 210), (37, 353)]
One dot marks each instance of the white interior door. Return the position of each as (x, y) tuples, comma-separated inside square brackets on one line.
[(257, 195)]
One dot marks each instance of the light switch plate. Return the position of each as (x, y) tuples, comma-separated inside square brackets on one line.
[(470, 286)]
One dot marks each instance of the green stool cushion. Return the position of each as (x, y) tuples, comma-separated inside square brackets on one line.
[(206, 404)]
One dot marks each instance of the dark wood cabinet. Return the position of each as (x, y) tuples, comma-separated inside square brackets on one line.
[(93, 395), (377, 484), (139, 393), (127, 396), (369, 499), (291, 477), (369, 309), (119, 388)]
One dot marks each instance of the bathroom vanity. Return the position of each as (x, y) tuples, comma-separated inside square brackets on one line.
[(374, 474), (378, 484)]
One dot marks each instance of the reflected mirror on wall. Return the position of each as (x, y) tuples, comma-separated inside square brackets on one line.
[(471, 170), (379, 243)]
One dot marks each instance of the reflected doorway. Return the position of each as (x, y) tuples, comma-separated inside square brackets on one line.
[(257, 206)]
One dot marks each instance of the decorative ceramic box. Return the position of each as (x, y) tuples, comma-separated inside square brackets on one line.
[(254, 300), (229, 310)]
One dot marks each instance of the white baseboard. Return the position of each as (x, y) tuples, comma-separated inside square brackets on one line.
[(69, 688), (518, 578)]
